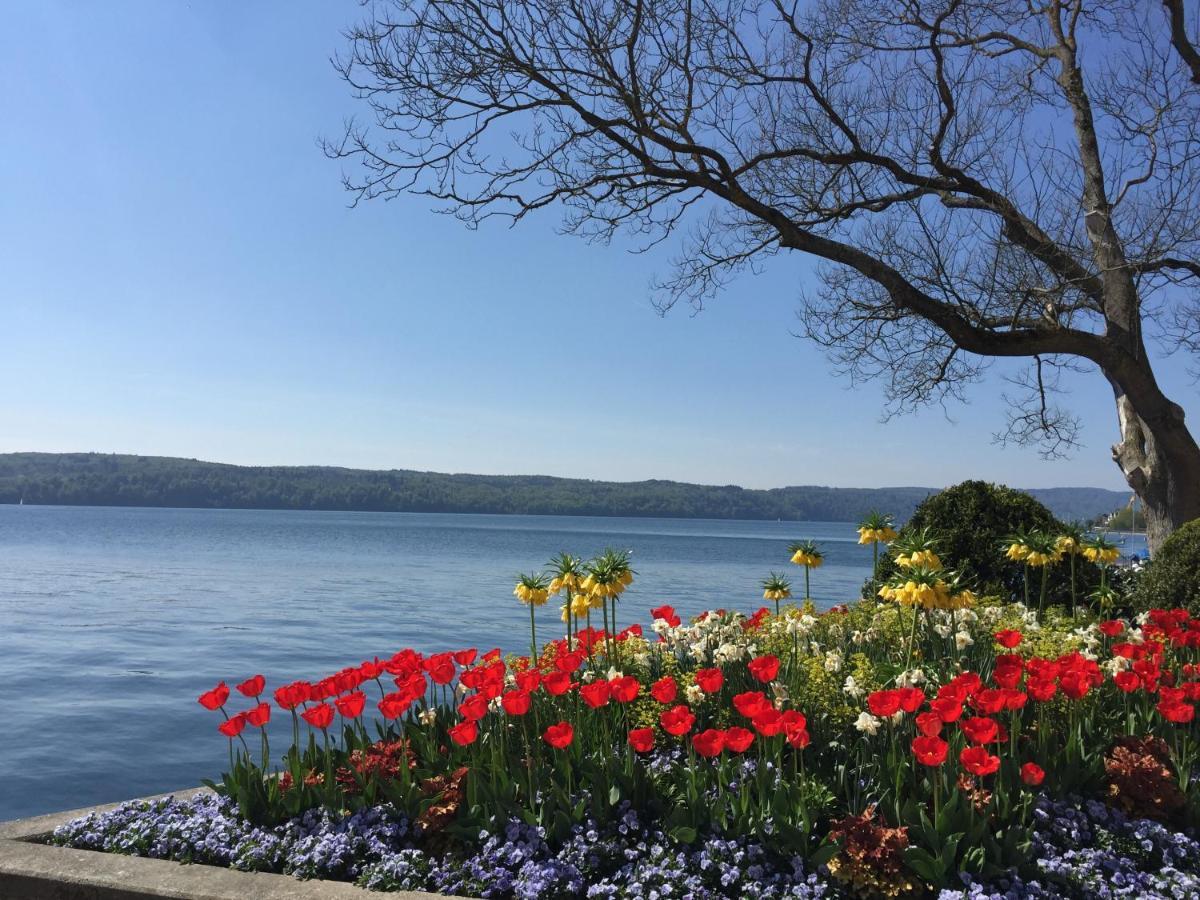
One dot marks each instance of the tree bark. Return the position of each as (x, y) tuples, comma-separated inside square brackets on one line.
[(1161, 463)]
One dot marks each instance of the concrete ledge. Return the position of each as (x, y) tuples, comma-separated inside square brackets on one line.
[(31, 870)]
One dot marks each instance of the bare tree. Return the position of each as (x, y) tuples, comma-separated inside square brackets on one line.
[(981, 178)]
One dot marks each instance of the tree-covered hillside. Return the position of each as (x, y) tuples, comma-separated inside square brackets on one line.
[(95, 479)]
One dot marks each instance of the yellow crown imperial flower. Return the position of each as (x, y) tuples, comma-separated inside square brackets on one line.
[(580, 604), (1017, 552)]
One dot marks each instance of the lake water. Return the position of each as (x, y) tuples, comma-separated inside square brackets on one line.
[(112, 621)]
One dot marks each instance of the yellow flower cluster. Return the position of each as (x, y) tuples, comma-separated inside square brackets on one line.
[(777, 595), (567, 582), (1101, 554), (580, 604), (613, 588), (929, 596), (1066, 544), (926, 558), (1019, 552), (884, 535), (531, 596), (812, 560)]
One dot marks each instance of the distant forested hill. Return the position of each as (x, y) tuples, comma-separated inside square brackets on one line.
[(96, 479)]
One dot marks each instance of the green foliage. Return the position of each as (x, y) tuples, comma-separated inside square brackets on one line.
[(972, 521), (97, 479), (1172, 578)]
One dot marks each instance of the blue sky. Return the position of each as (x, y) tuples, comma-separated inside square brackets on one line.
[(180, 274)]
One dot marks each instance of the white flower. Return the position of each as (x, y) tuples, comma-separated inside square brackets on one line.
[(658, 626), (427, 716), (495, 705), (943, 630), (461, 688), (867, 723), (614, 672), (851, 687), (1115, 665), (780, 691), (588, 677), (910, 678), (642, 659), (858, 637), (729, 653), (836, 632), (833, 661), (693, 693), (898, 717), (1087, 653), (967, 615), (962, 640)]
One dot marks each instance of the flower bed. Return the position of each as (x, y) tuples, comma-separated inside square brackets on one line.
[(934, 743)]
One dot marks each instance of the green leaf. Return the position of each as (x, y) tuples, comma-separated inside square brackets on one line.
[(684, 834)]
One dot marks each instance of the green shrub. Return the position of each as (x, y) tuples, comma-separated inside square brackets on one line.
[(972, 520), (1172, 578)]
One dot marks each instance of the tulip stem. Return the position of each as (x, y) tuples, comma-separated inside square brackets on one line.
[(532, 638)]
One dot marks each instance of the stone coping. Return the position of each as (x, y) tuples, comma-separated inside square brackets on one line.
[(32, 870)]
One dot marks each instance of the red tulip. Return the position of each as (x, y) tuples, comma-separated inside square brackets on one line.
[(667, 614), (642, 739), (319, 716), (1127, 681), (440, 668), (516, 703), (980, 730), (764, 668), (1032, 774), (233, 726), (978, 761), (884, 704), (677, 720), (292, 695), (929, 724), (738, 739), (1014, 700), (1007, 672), (709, 742), (1041, 689), (559, 736), (988, 701), (664, 690), (1177, 712), (768, 722), (259, 715), (557, 683), (710, 680), (466, 657), (595, 694), (569, 662), (1074, 684), (911, 699), (351, 705), (1008, 638), (473, 708), (394, 705), (751, 703), (947, 709), (215, 698), (528, 681), (930, 751), (1112, 628), (798, 738), (625, 689), (252, 687), (464, 733)]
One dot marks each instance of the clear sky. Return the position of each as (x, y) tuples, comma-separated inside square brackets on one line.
[(180, 274)]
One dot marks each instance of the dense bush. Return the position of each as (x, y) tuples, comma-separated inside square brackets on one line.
[(1173, 576), (972, 520)]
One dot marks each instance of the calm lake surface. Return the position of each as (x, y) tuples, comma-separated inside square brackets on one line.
[(113, 620)]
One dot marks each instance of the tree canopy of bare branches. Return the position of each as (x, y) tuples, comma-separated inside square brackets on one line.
[(980, 178)]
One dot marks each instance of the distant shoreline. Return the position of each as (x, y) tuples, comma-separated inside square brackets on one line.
[(97, 479)]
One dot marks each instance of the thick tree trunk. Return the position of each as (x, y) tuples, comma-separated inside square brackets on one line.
[(1161, 462)]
